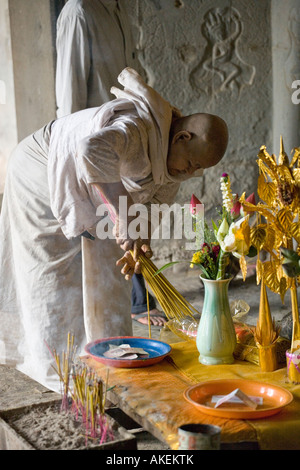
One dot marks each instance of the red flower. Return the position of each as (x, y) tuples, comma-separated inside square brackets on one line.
[(235, 211), (206, 245), (215, 250), (251, 199), (193, 205)]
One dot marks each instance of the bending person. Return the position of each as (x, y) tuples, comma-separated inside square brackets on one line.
[(54, 280)]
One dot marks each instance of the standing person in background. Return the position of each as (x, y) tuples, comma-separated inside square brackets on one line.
[(94, 44)]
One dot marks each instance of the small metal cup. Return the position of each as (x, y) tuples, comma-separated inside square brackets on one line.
[(199, 437)]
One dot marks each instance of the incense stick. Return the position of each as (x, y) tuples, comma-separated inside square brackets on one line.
[(148, 310), (172, 302), (87, 393)]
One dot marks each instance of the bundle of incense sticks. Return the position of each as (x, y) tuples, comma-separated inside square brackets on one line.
[(89, 396), (63, 369), (171, 301), (83, 393)]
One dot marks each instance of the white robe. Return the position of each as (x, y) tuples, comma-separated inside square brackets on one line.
[(94, 44), (53, 280)]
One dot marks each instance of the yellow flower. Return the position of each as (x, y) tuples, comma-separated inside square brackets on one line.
[(197, 258)]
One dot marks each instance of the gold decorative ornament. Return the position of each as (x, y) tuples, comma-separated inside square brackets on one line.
[(277, 227)]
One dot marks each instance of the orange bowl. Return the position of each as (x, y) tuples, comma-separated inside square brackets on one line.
[(274, 398)]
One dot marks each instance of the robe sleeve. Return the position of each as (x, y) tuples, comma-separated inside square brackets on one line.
[(99, 156), (114, 153), (73, 63)]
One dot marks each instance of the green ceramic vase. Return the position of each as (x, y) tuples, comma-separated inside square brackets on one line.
[(216, 338)]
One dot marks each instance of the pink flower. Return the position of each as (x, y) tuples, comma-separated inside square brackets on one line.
[(193, 205), (235, 211), (251, 200)]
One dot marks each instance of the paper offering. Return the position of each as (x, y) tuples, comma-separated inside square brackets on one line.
[(124, 351), (237, 396)]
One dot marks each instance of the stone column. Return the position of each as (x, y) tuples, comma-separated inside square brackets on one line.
[(8, 126), (27, 97), (285, 17)]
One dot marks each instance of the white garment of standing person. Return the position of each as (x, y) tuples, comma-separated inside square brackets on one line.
[(94, 44)]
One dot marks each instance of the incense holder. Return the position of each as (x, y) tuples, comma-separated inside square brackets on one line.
[(216, 337), (44, 427)]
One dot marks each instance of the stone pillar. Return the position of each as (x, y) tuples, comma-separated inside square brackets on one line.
[(285, 18), (27, 97), (8, 126), (33, 59)]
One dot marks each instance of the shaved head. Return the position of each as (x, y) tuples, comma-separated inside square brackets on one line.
[(196, 141)]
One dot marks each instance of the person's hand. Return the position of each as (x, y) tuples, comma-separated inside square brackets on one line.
[(130, 260), (120, 232)]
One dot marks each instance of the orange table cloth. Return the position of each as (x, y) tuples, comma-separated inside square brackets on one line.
[(155, 394)]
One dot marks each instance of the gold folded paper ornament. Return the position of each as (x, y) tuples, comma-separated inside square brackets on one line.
[(266, 334), (279, 192), (247, 349)]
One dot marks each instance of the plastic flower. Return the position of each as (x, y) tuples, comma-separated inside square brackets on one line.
[(251, 200), (229, 237), (215, 251), (222, 231), (237, 238), (206, 259), (226, 192), (198, 258), (236, 208), (193, 205)]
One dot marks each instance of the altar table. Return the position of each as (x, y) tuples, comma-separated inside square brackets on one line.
[(153, 397)]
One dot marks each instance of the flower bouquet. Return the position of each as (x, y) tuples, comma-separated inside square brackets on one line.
[(223, 243), (227, 240), (220, 252)]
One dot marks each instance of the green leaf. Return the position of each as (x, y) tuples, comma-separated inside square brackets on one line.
[(169, 265), (202, 269), (289, 254), (252, 252), (215, 227), (166, 266)]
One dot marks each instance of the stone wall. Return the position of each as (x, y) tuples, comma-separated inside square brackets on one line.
[(212, 57)]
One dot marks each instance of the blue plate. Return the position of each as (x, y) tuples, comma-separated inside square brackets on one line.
[(156, 350)]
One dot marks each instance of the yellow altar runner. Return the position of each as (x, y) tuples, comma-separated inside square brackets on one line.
[(155, 395)]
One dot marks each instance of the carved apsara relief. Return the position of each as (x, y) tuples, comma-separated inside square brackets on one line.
[(221, 67)]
